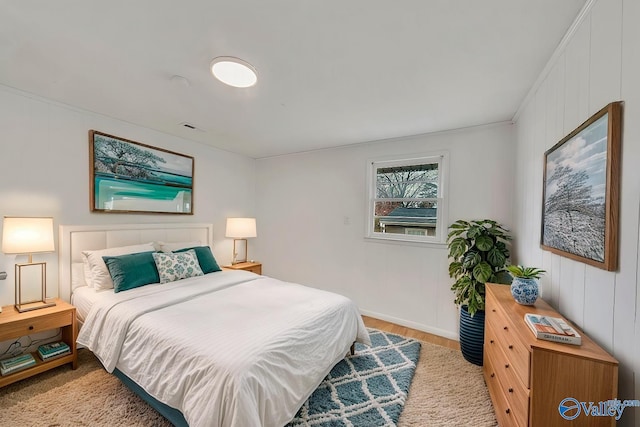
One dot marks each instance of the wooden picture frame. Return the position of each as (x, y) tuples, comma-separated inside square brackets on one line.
[(131, 177), (581, 190)]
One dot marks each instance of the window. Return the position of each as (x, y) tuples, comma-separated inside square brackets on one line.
[(406, 199)]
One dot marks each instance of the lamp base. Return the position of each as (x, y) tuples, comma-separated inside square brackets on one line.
[(33, 306), (34, 272), (240, 251)]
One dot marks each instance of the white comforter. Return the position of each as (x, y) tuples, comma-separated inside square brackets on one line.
[(226, 349)]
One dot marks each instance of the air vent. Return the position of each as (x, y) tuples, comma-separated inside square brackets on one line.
[(191, 127)]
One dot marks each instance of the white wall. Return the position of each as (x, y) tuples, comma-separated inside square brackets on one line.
[(312, 213), (44, 171), (600, 64)]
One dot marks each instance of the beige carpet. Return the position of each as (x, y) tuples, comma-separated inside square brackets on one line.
[(446, 391)]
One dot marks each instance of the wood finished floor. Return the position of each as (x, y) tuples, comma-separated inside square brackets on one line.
[(383, 325)]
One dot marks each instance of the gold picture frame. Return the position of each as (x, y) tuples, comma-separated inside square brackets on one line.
[(581, 188)]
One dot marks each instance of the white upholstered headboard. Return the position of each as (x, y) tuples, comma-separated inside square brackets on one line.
[(77, 238)]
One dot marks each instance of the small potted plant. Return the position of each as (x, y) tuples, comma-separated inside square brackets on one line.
[(524, 286)]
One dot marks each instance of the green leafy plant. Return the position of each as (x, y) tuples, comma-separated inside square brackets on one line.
[(479, 252), (525, 272)]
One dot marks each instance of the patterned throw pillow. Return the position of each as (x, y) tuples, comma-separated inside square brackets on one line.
[(207, 262), (176, 266)]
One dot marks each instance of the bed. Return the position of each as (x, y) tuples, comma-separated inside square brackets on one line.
[(226, 348)]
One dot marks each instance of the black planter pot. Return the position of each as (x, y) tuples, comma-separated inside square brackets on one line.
[(472, 335)]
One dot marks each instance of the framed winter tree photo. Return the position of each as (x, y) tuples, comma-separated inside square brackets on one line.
[(130, 177), (581, 191)]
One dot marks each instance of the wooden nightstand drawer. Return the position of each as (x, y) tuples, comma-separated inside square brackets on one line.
[(15, 325), (37, 324), (254, 267)]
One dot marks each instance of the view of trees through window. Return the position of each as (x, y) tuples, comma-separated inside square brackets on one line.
[(406, 199)]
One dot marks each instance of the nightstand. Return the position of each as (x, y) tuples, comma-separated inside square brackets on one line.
[(254, 267), (15, 325)]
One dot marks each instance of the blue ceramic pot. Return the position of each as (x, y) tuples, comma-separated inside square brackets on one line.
[(525, 291), (472, 335)]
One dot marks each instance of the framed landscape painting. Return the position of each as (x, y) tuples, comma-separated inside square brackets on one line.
[(128, 176), (581, 191)]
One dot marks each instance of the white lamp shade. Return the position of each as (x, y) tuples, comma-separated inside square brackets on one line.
[(241, 228), (27, 235)]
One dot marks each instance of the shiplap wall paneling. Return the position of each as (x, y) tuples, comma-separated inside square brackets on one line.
[(605, 62), (599, 305), (630, 88), (599, 65), (628, 280), (555, 132), (606, 54), (524, 138), (533, 207), (577, 60), (568, 290), (555, 280)]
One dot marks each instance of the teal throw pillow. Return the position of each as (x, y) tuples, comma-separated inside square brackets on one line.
[(176, 266), (132, 270), (207, 262)]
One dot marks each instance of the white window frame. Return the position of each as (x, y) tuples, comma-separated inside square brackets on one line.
[(442, 159)]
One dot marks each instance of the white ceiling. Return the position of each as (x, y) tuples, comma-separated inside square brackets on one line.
[(330, 72)]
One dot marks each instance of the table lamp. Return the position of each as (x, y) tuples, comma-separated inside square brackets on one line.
[(240, 229), (29, 236)]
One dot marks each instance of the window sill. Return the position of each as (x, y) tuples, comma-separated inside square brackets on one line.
[(392, 241)]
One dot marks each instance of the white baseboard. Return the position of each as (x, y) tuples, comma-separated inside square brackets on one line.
[(414, 325)]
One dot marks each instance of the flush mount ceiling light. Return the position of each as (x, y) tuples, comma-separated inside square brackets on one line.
[(233, 71)]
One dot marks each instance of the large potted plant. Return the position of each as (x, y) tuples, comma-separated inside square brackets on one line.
[(479, 254)]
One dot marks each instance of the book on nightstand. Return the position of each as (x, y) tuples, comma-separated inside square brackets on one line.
[(17, 363), (552, 329), (51, 350)]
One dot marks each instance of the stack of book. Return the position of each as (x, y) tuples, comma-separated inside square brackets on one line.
[(53, 350), (552, 329), (17, 363)]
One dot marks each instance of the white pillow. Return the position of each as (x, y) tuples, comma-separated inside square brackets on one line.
[(99, 274), (77, 275), (86, 268), (174, 246), (176, 266)]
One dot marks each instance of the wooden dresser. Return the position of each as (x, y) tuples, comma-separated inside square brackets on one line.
[(528, 378)]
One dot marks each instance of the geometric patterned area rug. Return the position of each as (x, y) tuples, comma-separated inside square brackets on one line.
[(366, 389)]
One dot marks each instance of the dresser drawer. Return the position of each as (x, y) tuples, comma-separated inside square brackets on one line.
[(503, 335), (41, 323), (517, 396), (505, 414)]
